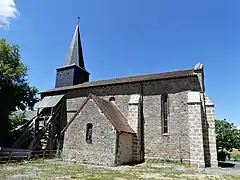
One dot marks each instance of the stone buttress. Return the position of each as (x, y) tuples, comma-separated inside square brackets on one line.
[(209, 105), (134, 120), (195, 130)]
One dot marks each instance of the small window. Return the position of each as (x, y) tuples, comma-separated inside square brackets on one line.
[(164, 113), (112, 100), (89, 133)]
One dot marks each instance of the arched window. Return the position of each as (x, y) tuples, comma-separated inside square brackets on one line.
[(112, 100), (89, 133), (164, 113)]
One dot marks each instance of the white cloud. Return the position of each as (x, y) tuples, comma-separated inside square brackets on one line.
[(8, 12)]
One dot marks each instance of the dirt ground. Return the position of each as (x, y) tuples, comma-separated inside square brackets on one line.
[(52, 169)]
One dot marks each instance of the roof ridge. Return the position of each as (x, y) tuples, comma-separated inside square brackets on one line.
[(140, 75), (129, 79), (174, 71)]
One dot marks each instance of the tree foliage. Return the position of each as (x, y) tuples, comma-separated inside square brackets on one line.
[(15, 91), (17, 119), (228, 136)]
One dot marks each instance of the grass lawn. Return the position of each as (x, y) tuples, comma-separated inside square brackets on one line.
[(63, 170), (235, 155)]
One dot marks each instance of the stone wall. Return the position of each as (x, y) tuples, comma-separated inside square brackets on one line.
[(149, 88), (211, 143), (195, 129), (134, 120), (102, 150), (172, 146), (124, 152), (121, 101)]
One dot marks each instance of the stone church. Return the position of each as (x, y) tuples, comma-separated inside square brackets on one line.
[(155, 117)]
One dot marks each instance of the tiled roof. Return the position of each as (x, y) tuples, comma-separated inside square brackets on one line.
[(114, 115), (131, 79)]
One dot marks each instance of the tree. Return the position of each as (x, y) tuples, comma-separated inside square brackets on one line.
[(228, 136), (15, 92), (17, 119)]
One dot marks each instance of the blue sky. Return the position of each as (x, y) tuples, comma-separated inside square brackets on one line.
[(131, 37)]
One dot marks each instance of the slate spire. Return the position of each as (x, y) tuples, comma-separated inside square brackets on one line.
[(75, 54), (73, 72)]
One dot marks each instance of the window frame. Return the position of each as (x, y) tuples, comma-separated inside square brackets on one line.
[(165, 113), (112, 99), (89, 129)]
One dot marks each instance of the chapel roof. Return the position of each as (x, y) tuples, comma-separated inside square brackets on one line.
[(130, 79), (113, 114)]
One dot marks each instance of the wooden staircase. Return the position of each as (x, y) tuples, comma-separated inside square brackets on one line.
[(45, 128)]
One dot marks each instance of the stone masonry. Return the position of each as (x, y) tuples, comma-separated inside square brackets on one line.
[(102, 150), (135, 122), (184, 140), (182, 131), (211, 132), (124, 148), (195, 129), (173, 146)]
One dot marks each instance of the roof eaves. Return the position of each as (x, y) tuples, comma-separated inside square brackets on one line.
[(118, 81)]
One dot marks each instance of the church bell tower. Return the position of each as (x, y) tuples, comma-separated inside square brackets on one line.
[(73, 72)]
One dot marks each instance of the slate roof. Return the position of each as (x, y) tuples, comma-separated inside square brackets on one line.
[(131, 79), (114, 115), (75, 54), (49, 101)]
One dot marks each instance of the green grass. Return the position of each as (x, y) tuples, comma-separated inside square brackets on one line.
[(235, 155), (60, 170)]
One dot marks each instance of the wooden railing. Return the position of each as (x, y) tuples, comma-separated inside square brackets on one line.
[(15, 155)]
